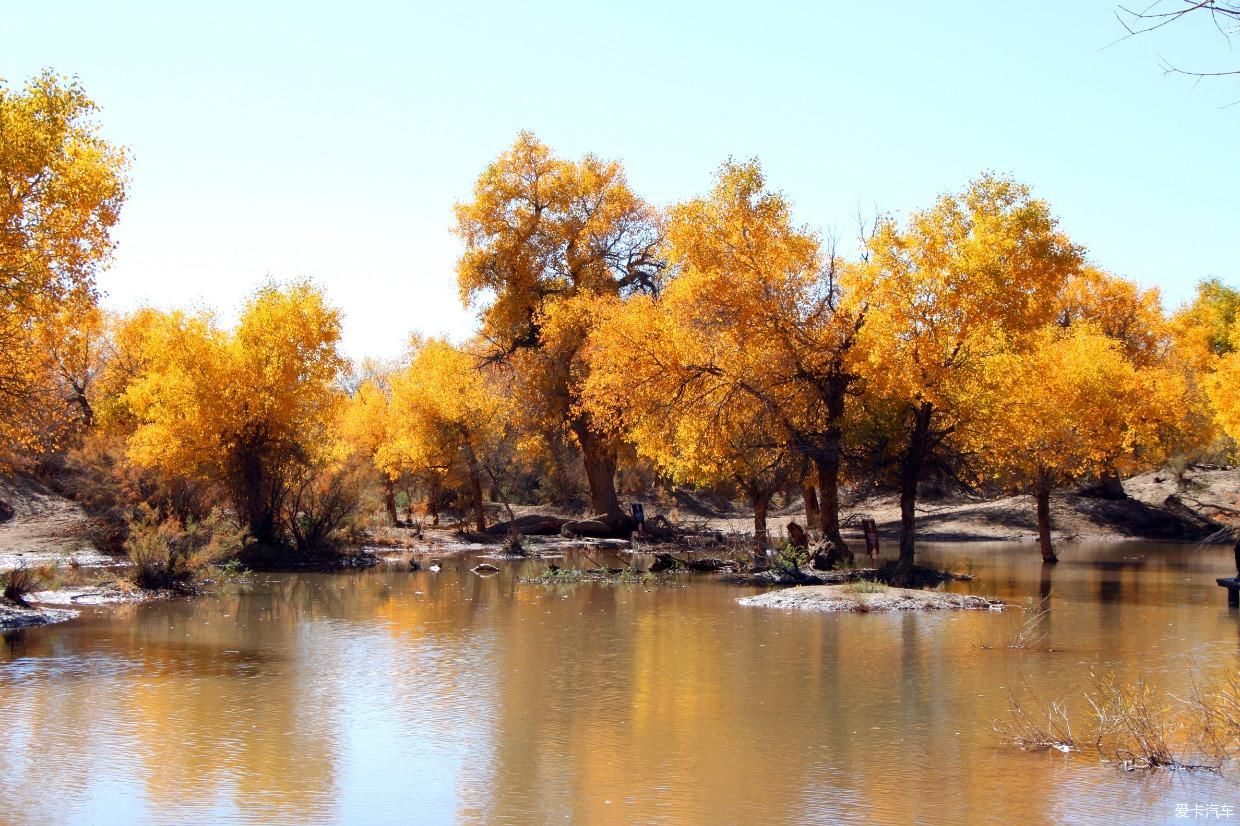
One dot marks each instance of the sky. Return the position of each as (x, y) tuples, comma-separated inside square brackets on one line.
[(330, 140)]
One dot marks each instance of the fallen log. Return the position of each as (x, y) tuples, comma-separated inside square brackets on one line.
[(599, 527), (532, 525)]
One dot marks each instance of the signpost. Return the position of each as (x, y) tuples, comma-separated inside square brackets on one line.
[(871, 537)]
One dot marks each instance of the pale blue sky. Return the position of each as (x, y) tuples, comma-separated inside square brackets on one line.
[(331, 140)]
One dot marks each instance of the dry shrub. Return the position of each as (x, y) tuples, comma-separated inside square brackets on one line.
[(1028, 629), (24, 580), (1138, 727), (167, 553), (1037, 730), (324, 507), (1216, 703)]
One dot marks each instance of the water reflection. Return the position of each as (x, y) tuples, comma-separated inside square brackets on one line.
[(393, 696)]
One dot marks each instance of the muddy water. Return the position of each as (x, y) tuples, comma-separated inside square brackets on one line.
[(395, 697)]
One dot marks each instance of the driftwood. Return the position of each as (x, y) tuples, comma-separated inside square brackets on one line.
[(532, 525)]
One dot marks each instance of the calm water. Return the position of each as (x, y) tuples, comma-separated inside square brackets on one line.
[(395, 697)]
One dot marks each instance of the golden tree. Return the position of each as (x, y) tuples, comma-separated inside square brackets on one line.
[(366, 426), (1206, 334), (445, 418), (753, 327), (543, 237), (61, 190), (251, 409), (960, 282), (1071, 405), (648, 382)]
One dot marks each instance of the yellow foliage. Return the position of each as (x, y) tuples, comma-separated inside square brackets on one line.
[(719, 376), (1223, 387), (239, 407), (1071, 405), (1206, 328), (61, 190), (962, 281), (440, 410), (1118, 308)]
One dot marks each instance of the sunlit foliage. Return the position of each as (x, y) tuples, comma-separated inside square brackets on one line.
[(61, 190), (250, 409), (543, 237), (958, 283)]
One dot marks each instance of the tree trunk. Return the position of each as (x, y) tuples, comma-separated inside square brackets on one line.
[(761, 502), (389, 501), (599, 459), (1108, 486), (475, 489), (910, 474), (559, 471), (828, 466), (432, 500), (813, 516), (257, 498), (1042, 492)]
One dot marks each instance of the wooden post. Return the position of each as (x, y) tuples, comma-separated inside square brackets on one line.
[(871, 537)]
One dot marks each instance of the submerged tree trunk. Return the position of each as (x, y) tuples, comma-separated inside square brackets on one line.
[(599, 459), (910, 474), (389, 501), (1042, 492)]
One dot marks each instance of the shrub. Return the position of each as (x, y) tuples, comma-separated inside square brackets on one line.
[(168, 554), (790, 559), (514, 544), (323, 507), (22, 581)]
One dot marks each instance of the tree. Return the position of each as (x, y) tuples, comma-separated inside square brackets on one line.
[(445, 418), (251, 410), (366, 425), (1070, 404), (961, 282), (543, 238), (648, 381), (1206, 334), (752, 326), (1222, 389), (61, 191), (1203, 328)]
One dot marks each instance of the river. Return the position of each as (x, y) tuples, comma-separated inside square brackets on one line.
[(391, 696)]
